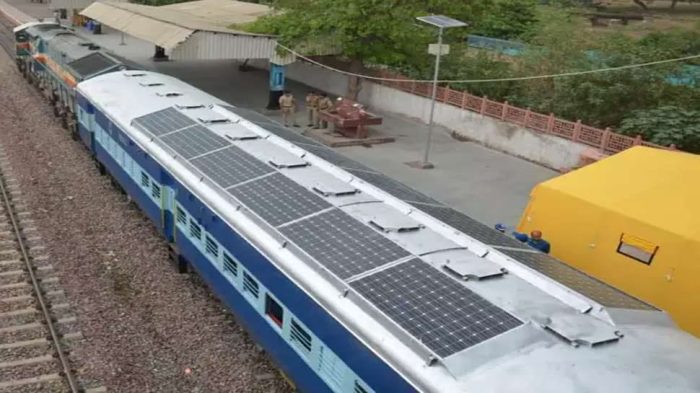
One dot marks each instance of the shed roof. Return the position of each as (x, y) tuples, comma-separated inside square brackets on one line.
[(192, 30), (654, 186)]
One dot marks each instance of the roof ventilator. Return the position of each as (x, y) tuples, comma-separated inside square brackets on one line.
[(169, 94), (472, 267), (189, 106), (134, 74), (398, 224), (150, 84), (580, 329), (213, 120), (288, 162), (336, 190)]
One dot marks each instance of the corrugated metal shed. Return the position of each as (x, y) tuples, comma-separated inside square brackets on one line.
[(73, 4), (192, 31)]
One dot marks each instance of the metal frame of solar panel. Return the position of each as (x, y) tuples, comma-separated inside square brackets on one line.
[(91, 64), (277, 199), (342, 244), (163, 122), (439, 312), (393, 187), (231, 166), (470, 226), (194, 141), (577, 280)]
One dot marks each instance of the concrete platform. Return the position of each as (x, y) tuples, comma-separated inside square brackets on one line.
[(334, 139), (488, 185)]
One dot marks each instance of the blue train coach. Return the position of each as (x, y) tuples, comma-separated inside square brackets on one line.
[(355, 283)]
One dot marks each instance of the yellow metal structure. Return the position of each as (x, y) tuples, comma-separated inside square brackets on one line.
[(633, 221)]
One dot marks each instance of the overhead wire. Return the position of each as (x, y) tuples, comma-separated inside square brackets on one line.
[(510, 79)]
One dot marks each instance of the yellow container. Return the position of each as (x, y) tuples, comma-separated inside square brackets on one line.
[(631, 220)]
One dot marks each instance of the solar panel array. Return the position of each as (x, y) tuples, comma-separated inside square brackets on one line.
[(194, 141), (250, 115), (163, 122), (342, 244), (278, 200), (442, 314), (231, 166), (91, 64), (437, 310)]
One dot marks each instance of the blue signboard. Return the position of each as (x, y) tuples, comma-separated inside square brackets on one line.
[(276, 77)]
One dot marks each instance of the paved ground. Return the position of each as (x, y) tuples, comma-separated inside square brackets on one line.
[(487, 185)]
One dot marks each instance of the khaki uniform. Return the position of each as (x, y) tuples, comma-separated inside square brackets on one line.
[(324, 104), (312, 108), (287, 105)]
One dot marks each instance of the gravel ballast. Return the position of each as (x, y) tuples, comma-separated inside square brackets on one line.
[(146, 327)]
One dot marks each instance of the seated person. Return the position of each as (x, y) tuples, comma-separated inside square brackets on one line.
[(534, 240)]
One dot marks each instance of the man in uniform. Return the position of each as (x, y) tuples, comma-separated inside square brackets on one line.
[(287, 105), (324, 104), (312, 107)]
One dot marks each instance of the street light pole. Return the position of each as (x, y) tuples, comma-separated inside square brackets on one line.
[(442, 22), (426, 156)]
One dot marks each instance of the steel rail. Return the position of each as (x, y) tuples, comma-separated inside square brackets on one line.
[(67, 374)]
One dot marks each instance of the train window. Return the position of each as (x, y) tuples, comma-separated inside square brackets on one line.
[(230, 265), (359, 388), (250, 285), (181, 215), (145, 181), (195, 230), (211, 247), (299, 336), (274, 310), (155, 191)]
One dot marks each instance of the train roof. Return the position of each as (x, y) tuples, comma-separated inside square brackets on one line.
[(82, 57), (449, 303)]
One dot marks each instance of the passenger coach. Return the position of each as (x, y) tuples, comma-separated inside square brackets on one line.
[(355, 283)]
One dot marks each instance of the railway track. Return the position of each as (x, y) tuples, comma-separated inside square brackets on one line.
[(6, 37), (36, 326)]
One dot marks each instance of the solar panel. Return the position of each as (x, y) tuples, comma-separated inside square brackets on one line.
[(393, 187), (231, 166), (335, 158), (438, 311), (91, 64), (577, 280), (470, 226), (194, 141), (441, 21), (163, 121), (342, 244), (277, 199)]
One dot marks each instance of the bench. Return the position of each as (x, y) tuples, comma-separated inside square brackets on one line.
[(349, 118)]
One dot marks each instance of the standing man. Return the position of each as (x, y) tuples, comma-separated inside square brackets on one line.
[(312, 100), (287, 104), (324, 104)]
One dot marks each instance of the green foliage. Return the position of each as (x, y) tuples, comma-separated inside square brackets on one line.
[(374, 31), (666, 125), (508, 19)]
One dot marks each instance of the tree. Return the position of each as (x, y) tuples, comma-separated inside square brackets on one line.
[(508, 19), (666, 125), (364, 31)]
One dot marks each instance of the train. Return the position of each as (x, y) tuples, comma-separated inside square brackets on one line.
[(55, 59), (351, 281)]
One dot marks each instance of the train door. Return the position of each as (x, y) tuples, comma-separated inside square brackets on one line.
[(167, 208)]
